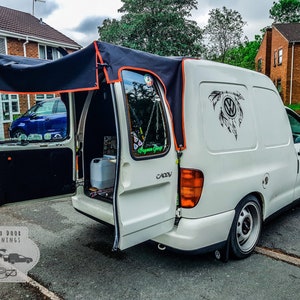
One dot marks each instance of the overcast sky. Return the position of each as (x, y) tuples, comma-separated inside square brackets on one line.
[(79, 19)]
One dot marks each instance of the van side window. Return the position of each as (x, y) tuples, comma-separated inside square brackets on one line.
[(146, 116), (295, 126)]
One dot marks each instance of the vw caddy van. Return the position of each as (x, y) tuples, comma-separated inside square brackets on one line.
[(191, 154)]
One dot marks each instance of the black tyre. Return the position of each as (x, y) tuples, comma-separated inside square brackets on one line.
[(246, 227), (17, 133)]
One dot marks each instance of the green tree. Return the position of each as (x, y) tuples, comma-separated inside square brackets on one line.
[(223, 31), (285, 11), (244, 55), (158, 26)]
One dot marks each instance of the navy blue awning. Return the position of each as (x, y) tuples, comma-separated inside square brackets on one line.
[(80, 71), (76, 71)]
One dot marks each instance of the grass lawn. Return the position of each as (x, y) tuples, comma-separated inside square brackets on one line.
[(295, 107)]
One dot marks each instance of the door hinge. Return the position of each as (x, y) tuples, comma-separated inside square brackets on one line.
[(80, 182), (178, 212)]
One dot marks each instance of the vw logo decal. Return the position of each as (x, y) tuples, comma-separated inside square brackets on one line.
[(229, 107), (230, 110)]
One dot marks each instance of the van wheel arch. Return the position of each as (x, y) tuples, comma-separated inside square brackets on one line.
[(246, 226)]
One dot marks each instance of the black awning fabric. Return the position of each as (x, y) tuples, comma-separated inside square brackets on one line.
[(80, 71), (168, 71), (76, 71)]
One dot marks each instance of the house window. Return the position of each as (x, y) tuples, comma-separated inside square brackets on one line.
[(2, 46), (147, 126), (279, 86), (259, 65), (48, 52), (41, 97), (280, 52), (10, 107), (275, 58)]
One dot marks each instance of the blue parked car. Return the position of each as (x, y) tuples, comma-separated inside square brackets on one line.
[(46, 120)]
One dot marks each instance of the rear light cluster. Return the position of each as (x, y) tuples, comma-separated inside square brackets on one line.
[(191, 184)]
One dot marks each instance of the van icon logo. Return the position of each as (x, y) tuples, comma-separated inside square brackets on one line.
[(231, 113)]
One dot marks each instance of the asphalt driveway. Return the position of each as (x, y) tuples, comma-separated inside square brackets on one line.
[(76, 262)]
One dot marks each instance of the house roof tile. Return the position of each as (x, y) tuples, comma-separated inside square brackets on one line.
[(291, 31), (18, 22)]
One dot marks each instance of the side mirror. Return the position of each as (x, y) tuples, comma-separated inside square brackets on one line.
[(33, 115)]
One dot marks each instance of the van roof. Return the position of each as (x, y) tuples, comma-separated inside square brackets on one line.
[(226, 73)]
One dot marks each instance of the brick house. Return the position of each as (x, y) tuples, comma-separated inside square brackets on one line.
[(23, 34), (279, 58)]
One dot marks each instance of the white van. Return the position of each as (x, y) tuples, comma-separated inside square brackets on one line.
[(210, 187)]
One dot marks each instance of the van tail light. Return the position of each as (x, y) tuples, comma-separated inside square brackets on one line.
[(191, 184)]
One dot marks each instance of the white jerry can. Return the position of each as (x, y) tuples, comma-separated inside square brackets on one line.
[(103, 172)]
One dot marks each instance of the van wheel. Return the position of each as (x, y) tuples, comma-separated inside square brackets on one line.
[(246, 227)]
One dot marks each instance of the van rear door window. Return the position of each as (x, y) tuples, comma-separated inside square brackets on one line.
[(146, 116)]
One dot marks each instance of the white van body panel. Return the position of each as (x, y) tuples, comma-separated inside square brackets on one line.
[(145, 205), (199, 233), (233, 167)]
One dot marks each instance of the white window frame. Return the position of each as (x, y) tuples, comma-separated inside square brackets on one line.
[(42, 97), (5, 45), (280, 55), (55, 53), (8, 100)]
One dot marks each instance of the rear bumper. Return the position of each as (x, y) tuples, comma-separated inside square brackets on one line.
[(197, 234)]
